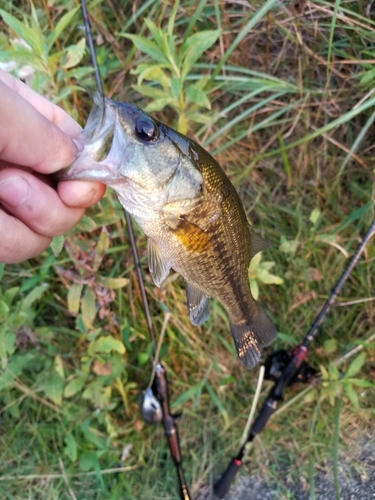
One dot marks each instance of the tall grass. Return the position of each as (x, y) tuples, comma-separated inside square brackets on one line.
[(284, 99)]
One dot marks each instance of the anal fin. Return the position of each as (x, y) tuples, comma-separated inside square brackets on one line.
[(251, 334), (158, 265), (198, 304)]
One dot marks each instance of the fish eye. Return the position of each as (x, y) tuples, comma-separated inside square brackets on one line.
[(146, 130)]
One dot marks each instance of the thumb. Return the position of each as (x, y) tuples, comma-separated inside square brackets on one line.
[(29, 139)]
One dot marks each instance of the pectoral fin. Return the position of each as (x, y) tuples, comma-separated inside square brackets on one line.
[(257, 243), (198, 304), (159, 267), (191, 236)]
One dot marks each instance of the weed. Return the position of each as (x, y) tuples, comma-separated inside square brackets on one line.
[(282, 95)]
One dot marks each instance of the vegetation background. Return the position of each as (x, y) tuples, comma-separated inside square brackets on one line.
[(282, 93)]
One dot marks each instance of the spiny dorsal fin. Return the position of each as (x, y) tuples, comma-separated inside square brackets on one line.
[(191, 236), (257, 242), (159, 267), (198, 304)]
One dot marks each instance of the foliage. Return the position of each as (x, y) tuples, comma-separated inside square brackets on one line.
[(285, 109), (170, 67)]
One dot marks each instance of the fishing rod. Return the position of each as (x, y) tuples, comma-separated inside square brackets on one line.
[(155, 400), (281, 367), (285, 370)]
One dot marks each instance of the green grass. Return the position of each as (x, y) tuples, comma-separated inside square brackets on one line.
[(291, 122)]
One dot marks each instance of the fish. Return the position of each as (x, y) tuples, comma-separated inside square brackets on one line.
[(193, 218)]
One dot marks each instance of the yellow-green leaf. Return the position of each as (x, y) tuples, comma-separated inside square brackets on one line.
[(74, 297), (88, 308), (114, 283)]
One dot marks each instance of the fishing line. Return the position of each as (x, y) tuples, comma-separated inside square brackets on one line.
[(284, 369)]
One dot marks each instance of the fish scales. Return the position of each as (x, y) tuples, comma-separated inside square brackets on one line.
[(185, 204)]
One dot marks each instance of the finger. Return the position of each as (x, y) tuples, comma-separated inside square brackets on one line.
[(49, 110), (19, 242), (28, 138), (80, 193), (36, 204)]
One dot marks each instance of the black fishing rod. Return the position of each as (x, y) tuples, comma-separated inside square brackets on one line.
[(286, 369), (155, 401)]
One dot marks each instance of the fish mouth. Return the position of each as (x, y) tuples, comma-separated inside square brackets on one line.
[(105, 146)]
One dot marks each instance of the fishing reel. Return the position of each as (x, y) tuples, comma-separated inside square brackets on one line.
[(154, 401), (275, 366), (151, 410)]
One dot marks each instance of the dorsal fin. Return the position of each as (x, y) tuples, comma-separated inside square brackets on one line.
[(257, 242)]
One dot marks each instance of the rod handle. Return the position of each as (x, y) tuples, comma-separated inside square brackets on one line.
[(221, 487)]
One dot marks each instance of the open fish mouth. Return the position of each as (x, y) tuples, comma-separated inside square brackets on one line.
[(105, 146)]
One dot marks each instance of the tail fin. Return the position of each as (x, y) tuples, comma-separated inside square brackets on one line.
[(251, 334)]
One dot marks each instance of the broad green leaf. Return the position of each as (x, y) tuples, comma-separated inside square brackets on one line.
[(57, 244), (74, 54), (7, 345), (34, 295), (159, 104), (1, 271), (198, 96), (153, 92), (269, 279), (70, 449), (143, 357), (74, 297), (74, 386), (101, 247), (288, 246), (89, 461), (32, 36), (154, 73), (368, 77), (254, 289), (202, 118), (148, 47), (360, 382), (88, 307), (314, 216), (53, 387), (113, 283), (255, 261), (157, 33), (193, 48), (176, 87), (4, 309), (108, 344), (182, 124), (60, 27), (99, 396), (352, 395), (10, 294), (355, 365), (58, 366), (86, 224), (330, 346)]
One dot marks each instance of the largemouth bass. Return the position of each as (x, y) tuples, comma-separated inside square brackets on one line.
[(185, 204)]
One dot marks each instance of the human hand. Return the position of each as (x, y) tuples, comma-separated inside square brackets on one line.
[(36, 138)]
